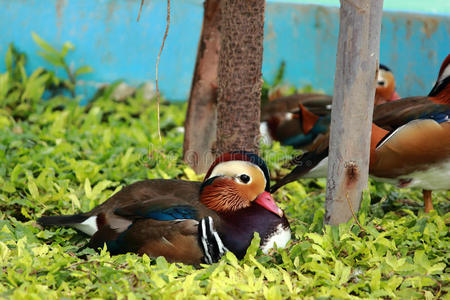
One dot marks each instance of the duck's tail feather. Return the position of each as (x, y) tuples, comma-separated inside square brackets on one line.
[(305, 163), (82, 222), (62, 220)]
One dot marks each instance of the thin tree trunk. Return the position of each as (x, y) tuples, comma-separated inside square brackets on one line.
[(240, 82), (201, 117), (352, 108)]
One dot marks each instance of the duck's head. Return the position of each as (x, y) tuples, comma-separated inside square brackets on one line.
[(385, 90), (237, 180)]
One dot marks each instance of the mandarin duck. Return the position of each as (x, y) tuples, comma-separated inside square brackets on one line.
[(285, 119), (385, 89), (186, 221), (409, 147)]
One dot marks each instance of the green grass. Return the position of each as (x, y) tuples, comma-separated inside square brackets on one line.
[(59, 158)]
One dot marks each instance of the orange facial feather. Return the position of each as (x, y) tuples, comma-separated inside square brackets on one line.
[(223, 196), (385, 93)]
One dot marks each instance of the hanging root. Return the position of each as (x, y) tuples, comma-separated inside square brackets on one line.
[(140, 9), (157, 60), (157, 65)]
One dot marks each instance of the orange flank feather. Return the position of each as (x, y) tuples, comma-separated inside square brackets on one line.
[(414, 147), (309, 119), (443, 97), (378, 134)]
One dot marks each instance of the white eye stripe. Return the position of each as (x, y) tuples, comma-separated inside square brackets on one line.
[(445, 74), (381, 81)]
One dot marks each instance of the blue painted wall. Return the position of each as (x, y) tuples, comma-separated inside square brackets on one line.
[(108, 38), (412, 45)]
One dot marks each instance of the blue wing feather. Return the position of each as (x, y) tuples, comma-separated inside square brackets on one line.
[(439, 117), (172, 213)]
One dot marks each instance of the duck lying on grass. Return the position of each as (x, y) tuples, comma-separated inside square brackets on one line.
[(187, 221)]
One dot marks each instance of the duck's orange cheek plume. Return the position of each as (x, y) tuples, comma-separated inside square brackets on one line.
[(221, 196)]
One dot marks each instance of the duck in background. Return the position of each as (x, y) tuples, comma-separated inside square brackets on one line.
[(285, 120), (410, 143), (385, 90), (186, 221), (396, 114)]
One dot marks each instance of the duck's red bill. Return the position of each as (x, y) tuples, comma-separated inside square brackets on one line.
[(394, 96), (266, 200)]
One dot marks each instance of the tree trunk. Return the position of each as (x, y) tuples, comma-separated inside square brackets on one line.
[(352, 108), (240, 82), (201, 116)]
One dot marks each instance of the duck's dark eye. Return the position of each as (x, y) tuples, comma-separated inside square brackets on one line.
[(381, 82), (244, 178)]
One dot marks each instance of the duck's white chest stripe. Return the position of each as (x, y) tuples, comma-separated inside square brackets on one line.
[(280, 236), (89, 226), (212, 245)]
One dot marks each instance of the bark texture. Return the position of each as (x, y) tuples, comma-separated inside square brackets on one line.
[(240, 62), (352, 108), (201, 117)]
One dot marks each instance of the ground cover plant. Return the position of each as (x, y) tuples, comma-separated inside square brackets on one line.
[(57, 157)]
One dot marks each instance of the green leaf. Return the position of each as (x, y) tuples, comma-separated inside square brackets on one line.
[(231, 258), (4, 86), (35, 85), (375, 281), (32, 188), (44, 45), (436, 269), (254, 246), (83, 70), (272, 293), (4, 252), (18, 169), (126, 159), (8, 187), (55, 60), (191, 175), (24, 212), (67, 46), (87, 188), (9, 59), (342, 272), (365, 206), (75, 201), (100, 187)]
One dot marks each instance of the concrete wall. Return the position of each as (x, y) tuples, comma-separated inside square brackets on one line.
[(108, 38)]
